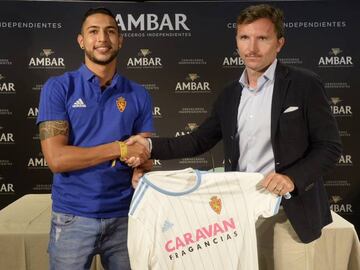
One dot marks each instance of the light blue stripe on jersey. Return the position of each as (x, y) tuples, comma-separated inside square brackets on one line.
[(138, 195), (172, 193), (138, 188), (277, 206)]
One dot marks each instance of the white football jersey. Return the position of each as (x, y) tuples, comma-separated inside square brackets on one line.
[(187, 219)]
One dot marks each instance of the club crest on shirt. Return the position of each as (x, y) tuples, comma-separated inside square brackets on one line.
[(121, 104), (215, 204)]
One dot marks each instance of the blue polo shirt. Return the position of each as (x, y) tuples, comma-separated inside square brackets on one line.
[(95, 117)]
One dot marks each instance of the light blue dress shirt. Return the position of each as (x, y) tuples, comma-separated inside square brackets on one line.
[(254, 123)]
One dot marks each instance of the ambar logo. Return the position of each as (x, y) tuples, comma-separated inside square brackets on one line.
[(335, 59), (6, 188), (6, 137), (339, 109), (45, 61), (33, 112), (337, 206), (153, 22), (38, 162), (144, 60), (233, 61), (156, 112), (345, 160), (157, 163), (6, 87), (192, 84)]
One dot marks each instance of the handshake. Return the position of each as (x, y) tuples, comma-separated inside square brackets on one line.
[(135, 151)]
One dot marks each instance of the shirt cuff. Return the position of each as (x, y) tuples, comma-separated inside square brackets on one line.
[(150, 144)]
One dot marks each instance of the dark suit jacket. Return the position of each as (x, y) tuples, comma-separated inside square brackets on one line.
[(305, 142)]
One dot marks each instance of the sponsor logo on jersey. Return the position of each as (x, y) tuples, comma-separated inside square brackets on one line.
[(79, 104), (167, 226), (204, 237)]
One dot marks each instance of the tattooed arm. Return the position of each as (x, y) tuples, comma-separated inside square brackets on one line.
[(61, 157)]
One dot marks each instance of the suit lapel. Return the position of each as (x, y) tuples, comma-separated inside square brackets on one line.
[(232, 110), (279, 94), (233, 107)]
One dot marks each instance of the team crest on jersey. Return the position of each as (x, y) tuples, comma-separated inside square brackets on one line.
[(215, 204), (121, 104)]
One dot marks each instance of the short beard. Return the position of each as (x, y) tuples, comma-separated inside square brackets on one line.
[(101, 62)]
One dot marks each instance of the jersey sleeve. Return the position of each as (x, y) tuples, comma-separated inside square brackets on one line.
[(139, 245), (52, 102), (261, 201), (144, 122), (266, 204)]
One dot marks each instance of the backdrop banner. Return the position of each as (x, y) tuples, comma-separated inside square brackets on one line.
[(184, 54)]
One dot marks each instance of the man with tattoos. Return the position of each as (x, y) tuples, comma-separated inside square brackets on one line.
[(84, 116)]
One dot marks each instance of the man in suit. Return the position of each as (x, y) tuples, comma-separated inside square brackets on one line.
[(275, 120)]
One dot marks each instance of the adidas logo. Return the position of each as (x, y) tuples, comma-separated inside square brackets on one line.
[(79, 104), (167, 226)]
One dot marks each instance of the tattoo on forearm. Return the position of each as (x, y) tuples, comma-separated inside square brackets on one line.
[(50, 129)]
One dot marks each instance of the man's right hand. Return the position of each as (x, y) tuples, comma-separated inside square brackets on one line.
[(137, 151), (140, 171), (135, 160)]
